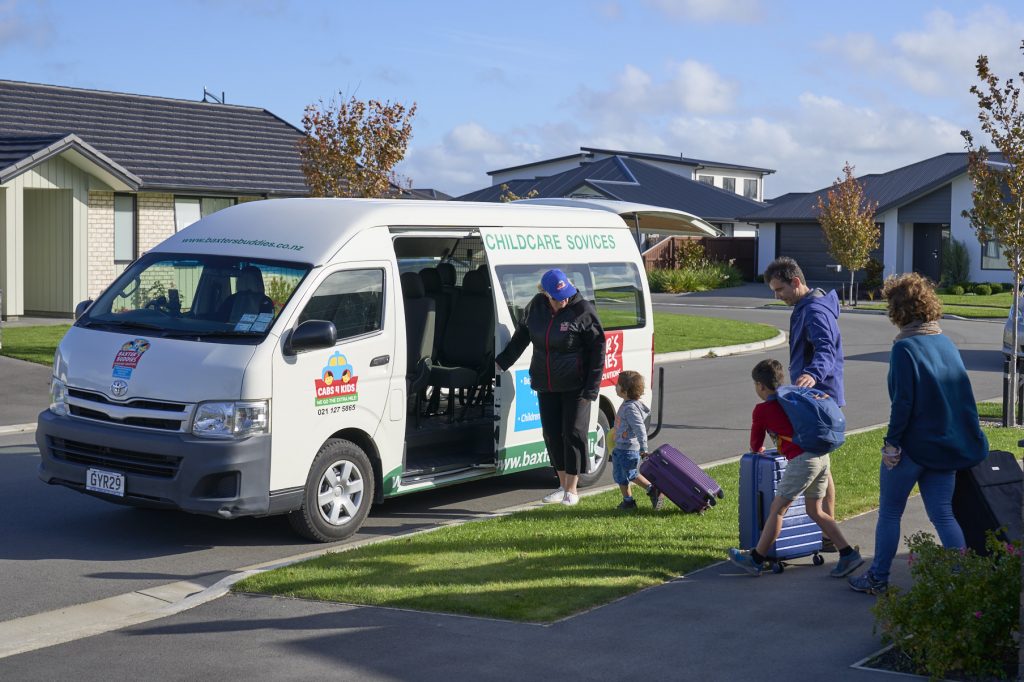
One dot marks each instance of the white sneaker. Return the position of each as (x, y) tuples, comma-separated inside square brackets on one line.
[(570, 499), (555, 496)]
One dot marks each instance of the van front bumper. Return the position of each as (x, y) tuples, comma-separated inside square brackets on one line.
[(225, 478)]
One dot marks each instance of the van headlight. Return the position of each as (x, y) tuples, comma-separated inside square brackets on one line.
[(231, 419), (58, 397)]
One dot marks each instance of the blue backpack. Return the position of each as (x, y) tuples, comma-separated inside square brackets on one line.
[(818, 423)]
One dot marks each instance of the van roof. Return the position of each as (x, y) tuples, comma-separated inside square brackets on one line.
[(312, 230)]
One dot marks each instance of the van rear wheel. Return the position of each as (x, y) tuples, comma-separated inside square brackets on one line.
[(339, 491), (599, 460)]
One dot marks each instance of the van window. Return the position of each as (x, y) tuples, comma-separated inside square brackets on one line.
[(519, 283), (618, 295), (352, 299)]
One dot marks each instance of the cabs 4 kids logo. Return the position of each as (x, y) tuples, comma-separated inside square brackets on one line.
[(337, 382)]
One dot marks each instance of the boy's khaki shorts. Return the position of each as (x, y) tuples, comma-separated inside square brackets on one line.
[(807, 475)]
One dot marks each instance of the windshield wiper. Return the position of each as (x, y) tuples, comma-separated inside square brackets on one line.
[(124, 324), (202, 334)]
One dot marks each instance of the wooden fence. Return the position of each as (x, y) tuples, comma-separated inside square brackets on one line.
[(742, 251)]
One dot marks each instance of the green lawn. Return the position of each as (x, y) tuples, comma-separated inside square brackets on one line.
[(547, 563), (983, 312), (35, 344), (674, 332)]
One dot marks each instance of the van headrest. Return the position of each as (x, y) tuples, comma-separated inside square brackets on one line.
[(250, 279), (412, 285), (431, 280), (476, 281), (447, 273)]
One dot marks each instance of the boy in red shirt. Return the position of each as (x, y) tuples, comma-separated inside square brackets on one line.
[(806, 474)]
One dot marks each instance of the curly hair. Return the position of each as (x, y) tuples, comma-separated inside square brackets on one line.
[(911, 298), (632, 384)]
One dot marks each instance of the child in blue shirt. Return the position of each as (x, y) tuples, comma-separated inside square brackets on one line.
[(631, 440)]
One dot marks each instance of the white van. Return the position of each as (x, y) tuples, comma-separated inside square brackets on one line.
[(283, 356)]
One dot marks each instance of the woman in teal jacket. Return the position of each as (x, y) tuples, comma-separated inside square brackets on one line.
[(933, 425)]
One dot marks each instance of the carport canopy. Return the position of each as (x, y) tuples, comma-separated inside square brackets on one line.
[(641, 217)]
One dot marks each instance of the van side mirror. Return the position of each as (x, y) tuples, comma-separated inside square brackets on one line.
[(82, 307), (311, 335)]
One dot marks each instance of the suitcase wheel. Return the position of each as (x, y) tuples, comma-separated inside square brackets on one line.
[(720, 494), (711, 500), (818, 560)]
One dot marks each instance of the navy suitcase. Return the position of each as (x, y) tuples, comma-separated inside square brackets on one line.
[(760, 475), (988, 497), (679, 479)]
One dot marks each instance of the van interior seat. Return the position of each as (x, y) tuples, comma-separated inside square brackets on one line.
[(249, 298), (442, 304), (466, 359), (419, 332)]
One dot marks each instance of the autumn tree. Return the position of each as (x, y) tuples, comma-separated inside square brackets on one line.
[(998, 185), (508, 195), (351, 147), (848, 221)]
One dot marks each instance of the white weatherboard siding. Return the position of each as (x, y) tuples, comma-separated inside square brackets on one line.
[(960, 228)]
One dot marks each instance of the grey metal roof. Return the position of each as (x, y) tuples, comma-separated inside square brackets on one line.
[(170, 144), (682, 160), (631, 180), (892, 189)]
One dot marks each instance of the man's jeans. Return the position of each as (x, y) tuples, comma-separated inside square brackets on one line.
[(895, 486)]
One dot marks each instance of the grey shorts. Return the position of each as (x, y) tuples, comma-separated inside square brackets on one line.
[(806, 475)]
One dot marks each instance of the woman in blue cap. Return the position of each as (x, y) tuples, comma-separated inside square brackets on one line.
[(568, 359)]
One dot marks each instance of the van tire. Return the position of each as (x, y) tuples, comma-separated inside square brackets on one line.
[(604, 430), (339, 492)]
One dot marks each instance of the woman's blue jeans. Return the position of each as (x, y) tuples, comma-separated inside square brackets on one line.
[(894, 488)]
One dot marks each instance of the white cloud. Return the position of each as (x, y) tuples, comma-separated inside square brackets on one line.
[(700, 89), (736, 11)]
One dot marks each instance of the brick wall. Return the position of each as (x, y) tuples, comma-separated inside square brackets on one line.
[(101, 241), (156, 219)]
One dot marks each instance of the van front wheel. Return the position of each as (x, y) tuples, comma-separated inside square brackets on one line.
[(598, 460), (339, 491)]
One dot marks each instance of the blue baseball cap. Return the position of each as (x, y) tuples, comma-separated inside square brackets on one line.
[(557, 285)]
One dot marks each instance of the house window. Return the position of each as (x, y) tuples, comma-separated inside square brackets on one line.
[(992, 257), (750, 188), (188, 210), (707, 179), (124, 228), (729, 184), (728, 229)]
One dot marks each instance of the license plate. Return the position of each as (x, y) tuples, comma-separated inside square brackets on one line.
[(108, 482)]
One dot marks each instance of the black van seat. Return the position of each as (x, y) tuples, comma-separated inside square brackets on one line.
[(466, 359), (442, 304), (419, 335), (249, 297)]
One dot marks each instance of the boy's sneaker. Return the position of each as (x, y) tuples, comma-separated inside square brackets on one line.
[(657, 499), (743, 559), (627, 504), (570, 499), (827, 546), (554, 496), (868, 584), (847, 564)]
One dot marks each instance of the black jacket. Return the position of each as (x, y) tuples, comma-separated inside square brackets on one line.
[(568, 346)]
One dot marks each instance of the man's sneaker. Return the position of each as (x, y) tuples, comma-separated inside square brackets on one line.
[(627, 504), (827, 546), (570, 499), (847, 564), (868, 583), (743, 559), (657, 499), (554, 496)]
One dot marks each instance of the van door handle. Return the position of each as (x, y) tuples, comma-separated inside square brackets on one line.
[(380, 360)]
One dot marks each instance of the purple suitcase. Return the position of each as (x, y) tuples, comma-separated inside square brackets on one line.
[(681, 480)]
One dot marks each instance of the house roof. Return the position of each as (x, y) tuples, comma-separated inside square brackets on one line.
[(589, 152), (633, 180), (18, 153), (890, 190), (166, 144), (428, 193)]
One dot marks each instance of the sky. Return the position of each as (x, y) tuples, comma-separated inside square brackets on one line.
[(794, 86)]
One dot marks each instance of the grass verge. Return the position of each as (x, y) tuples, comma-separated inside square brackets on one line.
[(674, 332), (35, 344), (547, 563)]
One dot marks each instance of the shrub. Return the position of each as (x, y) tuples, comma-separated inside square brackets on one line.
[(702, 278), (997, 287), (961, 613), (690, 254), (956, 263), (956, 290), (873, 274), (983, 290)]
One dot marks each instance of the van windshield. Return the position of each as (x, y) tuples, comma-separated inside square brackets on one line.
[(197, 297)]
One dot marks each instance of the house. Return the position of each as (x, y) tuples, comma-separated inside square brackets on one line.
[(654, 179), (89, 180), (919, 210)]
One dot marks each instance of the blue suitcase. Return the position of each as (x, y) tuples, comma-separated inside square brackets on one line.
[(760, 475)]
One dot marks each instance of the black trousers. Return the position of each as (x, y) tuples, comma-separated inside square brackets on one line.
[(564, 419)]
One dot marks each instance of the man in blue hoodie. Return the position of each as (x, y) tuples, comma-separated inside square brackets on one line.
[(815, 344)]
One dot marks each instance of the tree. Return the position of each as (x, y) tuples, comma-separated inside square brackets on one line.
[(351, 147), (848, 221), (998, 192), (508, 195)]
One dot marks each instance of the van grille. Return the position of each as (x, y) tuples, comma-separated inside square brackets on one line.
[(87, 454), (138, 412)]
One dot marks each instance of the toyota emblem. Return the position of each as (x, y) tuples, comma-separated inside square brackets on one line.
[(119, 388)]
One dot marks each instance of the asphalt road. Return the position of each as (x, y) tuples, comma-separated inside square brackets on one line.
[(59, 548)]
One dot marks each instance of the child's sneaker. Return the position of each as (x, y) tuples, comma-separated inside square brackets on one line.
[(554, 496), (743, 559), (657, 499), (847, 564), (627, 504), (868, 583), (570, 499)]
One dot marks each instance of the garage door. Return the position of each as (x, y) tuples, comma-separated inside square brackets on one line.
[(805, 242)]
